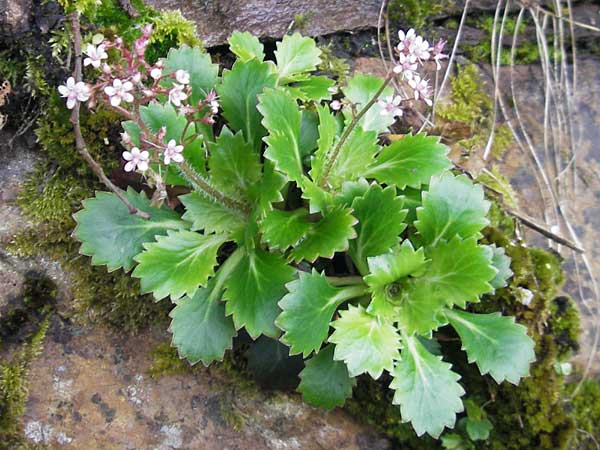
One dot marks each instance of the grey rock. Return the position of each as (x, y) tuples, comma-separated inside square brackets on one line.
[(15, 16), (217, 19)]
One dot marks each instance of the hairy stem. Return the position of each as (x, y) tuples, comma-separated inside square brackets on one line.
[(200, 183), (79, 141), (345, 281), (336, 150)]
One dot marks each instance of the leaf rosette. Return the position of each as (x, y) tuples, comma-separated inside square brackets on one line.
[(295, 221)]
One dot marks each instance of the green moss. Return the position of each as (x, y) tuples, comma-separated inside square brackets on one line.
[(301, 22), (171, 29), (336, 67), (415, 12), (495, 180), (468, 115), (166, 361), (585, 409), (14, 389)]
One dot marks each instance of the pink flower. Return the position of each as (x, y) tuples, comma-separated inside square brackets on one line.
[(173, 152), (335, 105), (156, 73), (182, 76), (406, 40), (95, 55), (136, 159), (420, 49), (74, 92), (421, 89), (176, 94), (436, 51), (407, 65), (119, 91), (391, 106), (125, 137)]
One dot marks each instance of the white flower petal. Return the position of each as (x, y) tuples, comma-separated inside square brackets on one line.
[(129, 166)]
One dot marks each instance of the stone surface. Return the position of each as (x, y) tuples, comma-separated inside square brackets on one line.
[(92, 390), (217, 19), (15, 16)]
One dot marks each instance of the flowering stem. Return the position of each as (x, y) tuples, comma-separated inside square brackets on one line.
[(79, 141), (336, 151)]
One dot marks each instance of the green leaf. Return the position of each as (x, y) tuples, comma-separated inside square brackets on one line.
[(455, 441), (412, 200), (360, 90), (271, 365), (352, 190), (410, 161), (411, 301), (460, 271), (111, 235), (210, 216), (201, 332), (325, 382), (496, 343), (283, 229), (314, 88), (133, 130), (309, 133), (452, 206), (295, 56), (282, 118), (246, 46), (427, 390), (479, 430), (420, 306), (501, 263), (355, 155), (328, 129), (364, 342), (319, 199), (177, 264), (239, 96), (268, 190), (326, 237), (234, 166), (255, 286), (311, 300), (380, 222), (389, 269), (195, 61)]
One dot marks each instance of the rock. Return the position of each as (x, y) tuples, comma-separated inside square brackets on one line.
[(15, 16), (217, 19), (92, 390)]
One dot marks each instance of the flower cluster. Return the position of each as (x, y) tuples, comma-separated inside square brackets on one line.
[(413, 51), (127, 81)]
